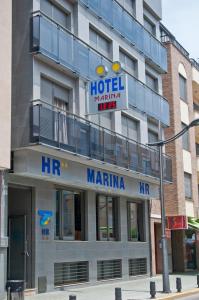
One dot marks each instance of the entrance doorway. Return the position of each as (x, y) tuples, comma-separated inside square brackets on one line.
[(20, 224)]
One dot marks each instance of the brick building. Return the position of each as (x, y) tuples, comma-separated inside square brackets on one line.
[(181, 197)]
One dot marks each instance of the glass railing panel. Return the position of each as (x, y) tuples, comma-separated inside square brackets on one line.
[(48, 38), (122, 152), (81, 61), (69, 132), (117, 17), (135, 33), (110, 147), (66, 55), (75, 55), (97, 143)]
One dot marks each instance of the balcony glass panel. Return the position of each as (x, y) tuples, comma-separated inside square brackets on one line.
[(135, 33), (61, 46), (80, 136)]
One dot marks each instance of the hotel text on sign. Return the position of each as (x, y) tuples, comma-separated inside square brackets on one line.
[(108, 94)]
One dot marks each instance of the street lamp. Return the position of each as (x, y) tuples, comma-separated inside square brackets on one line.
[(160, 144)]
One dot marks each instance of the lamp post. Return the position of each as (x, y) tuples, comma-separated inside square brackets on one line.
[(160, 144)]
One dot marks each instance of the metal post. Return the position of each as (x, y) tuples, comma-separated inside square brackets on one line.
[(72, 297), (152, 289), (165, 271), (118, 294), (198, 280), (178, 285)]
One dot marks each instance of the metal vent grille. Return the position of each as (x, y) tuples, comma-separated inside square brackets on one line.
[(109, 269), (137, 266), (70, 272)]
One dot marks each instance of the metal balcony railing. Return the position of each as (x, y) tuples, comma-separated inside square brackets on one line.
[(69, 132), (114, 15), (60, 45)]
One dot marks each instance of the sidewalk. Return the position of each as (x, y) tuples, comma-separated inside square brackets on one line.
[(131, 290)]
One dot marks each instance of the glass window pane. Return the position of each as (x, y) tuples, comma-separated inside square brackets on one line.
[(133, 225), (46, 7), (149, 26), (59, 16), (185, 139), (183, 87), (188, 185), (58, 216), (151, 82), (102, 218), (68, 215)]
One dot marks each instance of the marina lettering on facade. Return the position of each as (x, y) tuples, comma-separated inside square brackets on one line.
[(105, 179)]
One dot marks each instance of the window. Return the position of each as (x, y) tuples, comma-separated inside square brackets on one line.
[(107, 220), (56, 14), (130, 6), (69, 215), (129, 64), (183, 87), (185, 139), (150, 26), (152, 136), (187, 185), (135, 217), (151, 82), (130, 128), (99, 42), (54, 94)]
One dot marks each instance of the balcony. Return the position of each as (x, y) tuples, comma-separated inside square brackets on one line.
[(128, 27), (69, 132), (52, 41)]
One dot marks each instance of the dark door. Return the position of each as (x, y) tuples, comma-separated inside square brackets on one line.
[(17, 253)]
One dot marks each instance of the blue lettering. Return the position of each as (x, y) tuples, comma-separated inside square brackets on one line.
[(111, 180), (45, 164), (147, 189), (122, 186), (99, 178), (142, 189), (121, 87), (101, 87), (114, 84), (107, 81), (90, 175), (94, 88), (56, 167), (115, 181), (105, 177)]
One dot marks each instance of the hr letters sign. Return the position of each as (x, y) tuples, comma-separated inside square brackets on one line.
[(108, 94)]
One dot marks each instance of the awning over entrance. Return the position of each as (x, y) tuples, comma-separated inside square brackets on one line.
[(193, 223)]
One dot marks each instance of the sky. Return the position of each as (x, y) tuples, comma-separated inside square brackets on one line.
[(181, 17)]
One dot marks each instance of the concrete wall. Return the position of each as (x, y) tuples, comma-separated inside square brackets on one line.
[(22, 77), (5, 81), (49, 252)]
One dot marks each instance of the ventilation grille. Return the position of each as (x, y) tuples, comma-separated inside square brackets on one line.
[(70, 272), (109, 269), (137, 266)]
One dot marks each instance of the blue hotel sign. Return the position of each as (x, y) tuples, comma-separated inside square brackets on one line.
[(108, 94), (54, 167)]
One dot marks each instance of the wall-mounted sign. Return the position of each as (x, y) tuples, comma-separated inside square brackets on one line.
[(177, 222), (45, 217), (108, 94), (106, 179), (75, 174), (144, 188)]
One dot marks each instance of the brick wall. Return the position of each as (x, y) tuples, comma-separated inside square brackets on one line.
[(174, 193)]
